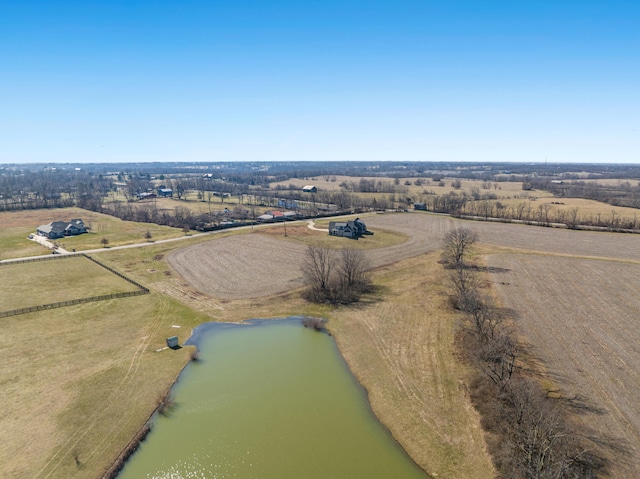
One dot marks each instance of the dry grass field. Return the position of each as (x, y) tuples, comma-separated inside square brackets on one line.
[(509, 194), (503, 189), (79, 382), (60, 279), (401, 349)]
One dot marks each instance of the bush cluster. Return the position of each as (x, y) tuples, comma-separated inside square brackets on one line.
[(335, 276)]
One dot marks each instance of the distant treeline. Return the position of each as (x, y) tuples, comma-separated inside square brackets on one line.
[(88, 186)]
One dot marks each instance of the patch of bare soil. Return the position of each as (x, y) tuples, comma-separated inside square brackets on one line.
[(580, 318), (244, 266), (427, 228), (255, 265), (251, 266)]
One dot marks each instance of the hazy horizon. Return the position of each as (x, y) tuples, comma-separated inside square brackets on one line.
[(196, 81)]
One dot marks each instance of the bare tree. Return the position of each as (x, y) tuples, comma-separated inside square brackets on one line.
[(339, 278), (318, 268), (351, 269), (465, 287), (457, 242)]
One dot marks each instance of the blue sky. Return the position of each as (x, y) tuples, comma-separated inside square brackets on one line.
[(448, 80)]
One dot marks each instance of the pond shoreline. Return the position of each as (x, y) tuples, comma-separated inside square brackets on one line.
[(196, 336)]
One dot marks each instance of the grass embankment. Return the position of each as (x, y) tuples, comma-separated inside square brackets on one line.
[(401, 349)]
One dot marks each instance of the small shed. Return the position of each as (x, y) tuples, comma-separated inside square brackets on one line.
[(309, 189), (172, 342)]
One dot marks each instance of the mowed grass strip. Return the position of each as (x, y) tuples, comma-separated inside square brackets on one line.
[(77, 383), (61, 279)]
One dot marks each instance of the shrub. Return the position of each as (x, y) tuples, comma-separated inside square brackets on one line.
[(316, 323)]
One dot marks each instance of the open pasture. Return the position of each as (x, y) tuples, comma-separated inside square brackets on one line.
[(79, 382), (53, 280), (581, 319)]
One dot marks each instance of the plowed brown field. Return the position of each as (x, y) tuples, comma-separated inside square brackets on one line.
[(581, 318)]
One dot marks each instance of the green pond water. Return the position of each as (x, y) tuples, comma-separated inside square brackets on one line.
[(268, 400)]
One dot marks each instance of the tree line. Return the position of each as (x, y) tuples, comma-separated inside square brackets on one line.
[(530, 434)]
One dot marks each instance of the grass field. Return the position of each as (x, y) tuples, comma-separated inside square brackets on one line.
[(509, 194), (503, 189), (17, 225), (78, 382), (401, 349), (58, 279)]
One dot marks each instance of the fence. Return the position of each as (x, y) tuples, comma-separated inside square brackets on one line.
[(40, 258), (117, 273), (71, 302), (141, 289)]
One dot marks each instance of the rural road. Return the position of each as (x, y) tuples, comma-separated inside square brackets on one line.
[(49, 245)]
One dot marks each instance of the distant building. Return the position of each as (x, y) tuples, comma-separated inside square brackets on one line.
[(348, 229), (309, 189), (286, 203), (58, 229), (271, 216), (165, 192), (420, 206), (146, 195)]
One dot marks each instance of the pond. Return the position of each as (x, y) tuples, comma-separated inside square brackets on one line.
[(270, 399)]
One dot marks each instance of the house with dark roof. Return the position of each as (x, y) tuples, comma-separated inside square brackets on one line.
[(58, 229), (348, 229)]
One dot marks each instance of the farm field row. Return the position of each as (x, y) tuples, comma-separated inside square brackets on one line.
[(580, 318), (255, 265)]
